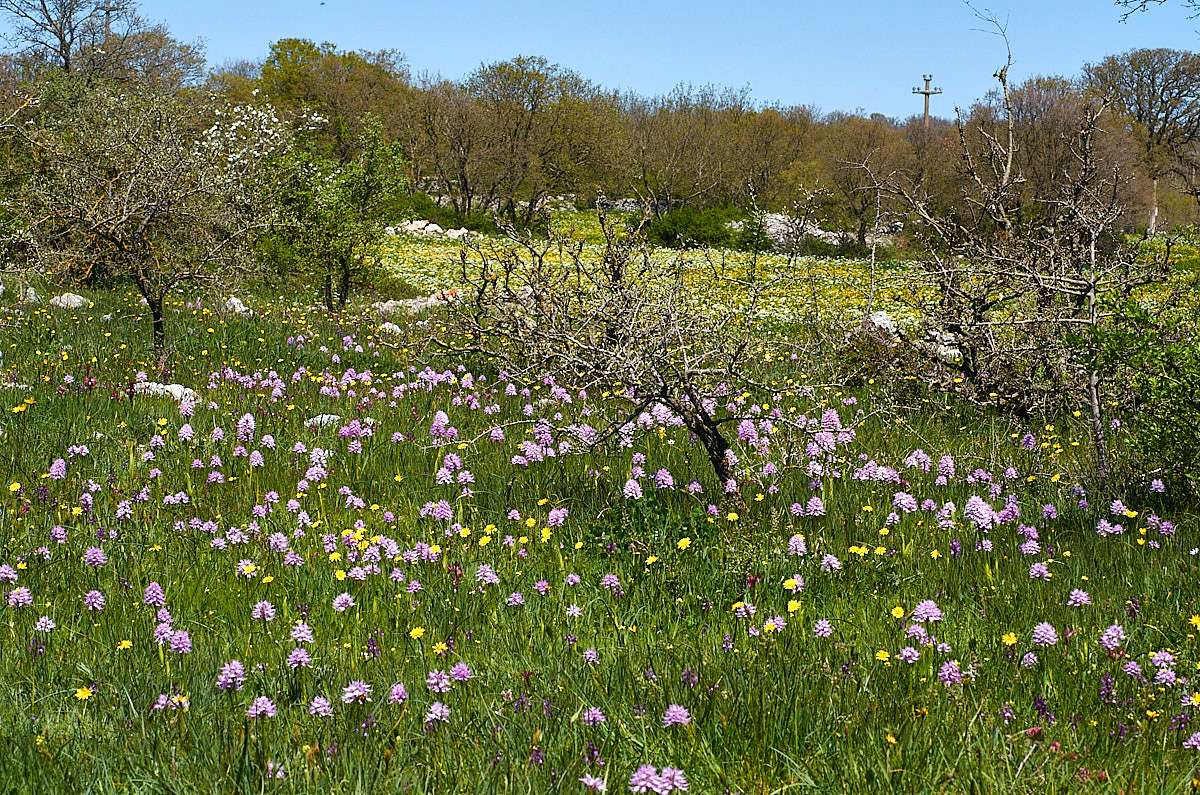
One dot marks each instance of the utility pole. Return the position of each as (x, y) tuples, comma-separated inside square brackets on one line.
[(108, 9), (927, 92)]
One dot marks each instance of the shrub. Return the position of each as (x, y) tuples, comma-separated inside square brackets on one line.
[(690, 226), (1158, 361)]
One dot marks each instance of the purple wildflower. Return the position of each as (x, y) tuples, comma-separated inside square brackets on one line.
[(232, 676), (261, 707), (1044, 634), (676, 715), (357, 692)]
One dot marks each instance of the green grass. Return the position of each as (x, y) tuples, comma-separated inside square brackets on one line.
[(780, 711)]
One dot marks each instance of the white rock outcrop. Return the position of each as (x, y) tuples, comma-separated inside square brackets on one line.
[(427, 229), (883, 322), (178, 392), (786, 231), (413, 306), (70, 301), (237, 306)]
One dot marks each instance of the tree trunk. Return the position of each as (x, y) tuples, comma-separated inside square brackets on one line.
[(1097, 423), (1152, 225), (716, 447), (328, 292), (704, 428), (158, 325), (154, 302), (343, 284), (1096, 409)]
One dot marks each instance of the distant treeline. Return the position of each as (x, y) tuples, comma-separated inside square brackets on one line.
[(515, 136)]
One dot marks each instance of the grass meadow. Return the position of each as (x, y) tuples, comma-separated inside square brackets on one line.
[(347, 562)]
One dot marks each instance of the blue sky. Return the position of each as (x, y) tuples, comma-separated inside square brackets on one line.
[(835, 55)]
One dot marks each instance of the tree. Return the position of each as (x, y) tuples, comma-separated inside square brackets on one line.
[(682, 147), (155, 190), (235, 81), (1137, 6), (71, 34), (849, 143), (151, 56), (931, 158), (59, 30), (341, 88), (540, 133), (775, 145), (659, 332), (1026, 298), (1045, 112), (451, 139), (1159, 91), (335, 213), (100, 39)]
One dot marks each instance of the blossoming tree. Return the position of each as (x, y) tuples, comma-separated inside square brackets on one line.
[(335, 213), (144, 186)]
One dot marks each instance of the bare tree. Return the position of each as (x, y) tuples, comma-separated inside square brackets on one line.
[(849, 142), (540, 130), (71, 34), (1137, 6), (1025, 298), (1045, 111), (658, 331), (683, 146), (450, 139)]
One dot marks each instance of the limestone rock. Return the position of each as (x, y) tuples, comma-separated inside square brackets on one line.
[(70, 301), (178, 392), (413, 306), (236, 306), (883, 322)]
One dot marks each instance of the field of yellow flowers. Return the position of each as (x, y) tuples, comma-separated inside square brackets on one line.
[(801, 289), (318, 556)]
